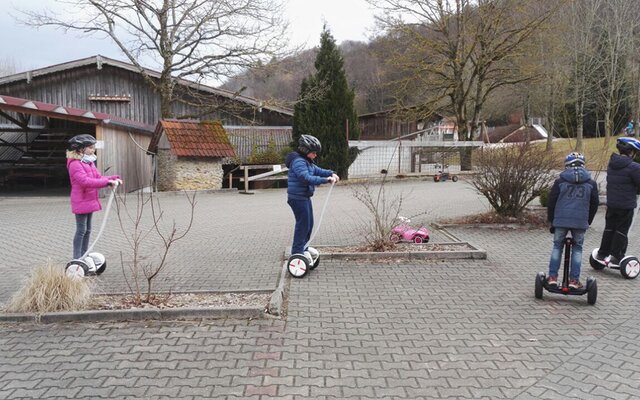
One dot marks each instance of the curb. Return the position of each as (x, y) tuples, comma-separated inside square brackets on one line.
[(136, 315), (277, 298)]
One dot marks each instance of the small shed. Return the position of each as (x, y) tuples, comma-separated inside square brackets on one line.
[(188, 154)]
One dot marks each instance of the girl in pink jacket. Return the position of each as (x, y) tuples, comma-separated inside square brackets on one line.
[(85, 182)]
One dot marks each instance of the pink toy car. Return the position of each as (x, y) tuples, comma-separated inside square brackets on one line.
[(405, 233)]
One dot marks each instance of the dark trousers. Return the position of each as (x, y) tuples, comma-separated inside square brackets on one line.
[(303, 212), (83, 232), (614, 239)]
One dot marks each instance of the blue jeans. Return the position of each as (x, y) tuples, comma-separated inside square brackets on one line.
[(576, 251), (303, 212), (81, 238)]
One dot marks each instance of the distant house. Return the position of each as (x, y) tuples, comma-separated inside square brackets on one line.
[(188, 154), (388, 125), (515, 133)]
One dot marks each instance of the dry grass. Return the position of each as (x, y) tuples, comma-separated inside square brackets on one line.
[(529, 217), (48, 289)]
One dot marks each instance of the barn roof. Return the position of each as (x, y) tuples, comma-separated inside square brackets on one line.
[(16, 104), (516, 133), (193, 138), (100, 61), (247, 138)]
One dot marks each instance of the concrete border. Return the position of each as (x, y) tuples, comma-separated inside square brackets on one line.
[(471, 252), (136, 315)]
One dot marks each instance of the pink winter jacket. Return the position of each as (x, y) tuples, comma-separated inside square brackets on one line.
[(85, 182)]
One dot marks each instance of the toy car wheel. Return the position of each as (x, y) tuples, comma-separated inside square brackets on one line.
[(454, 178), (595, 264), (76, 269), (418, 240), (592, 291), (394, 237), (540, 278), (315, 264), (298, 266), (630, 267)]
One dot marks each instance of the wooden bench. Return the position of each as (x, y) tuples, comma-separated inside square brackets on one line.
[(265, 176)]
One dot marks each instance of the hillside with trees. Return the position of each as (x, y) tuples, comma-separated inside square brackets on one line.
[(574, 64)]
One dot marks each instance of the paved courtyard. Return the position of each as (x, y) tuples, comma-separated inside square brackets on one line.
[(419, 330)]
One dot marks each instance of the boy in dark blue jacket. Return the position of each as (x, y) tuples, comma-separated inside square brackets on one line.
[(573, 203), (623, 185), (302, 179)]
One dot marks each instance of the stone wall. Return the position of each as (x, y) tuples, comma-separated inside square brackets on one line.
[(188, 173)]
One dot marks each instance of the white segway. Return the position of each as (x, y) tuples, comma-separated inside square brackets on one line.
[(629, 266), (91, 263), (300, 264)]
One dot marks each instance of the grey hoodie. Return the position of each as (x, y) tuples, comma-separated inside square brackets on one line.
[(573, 201)]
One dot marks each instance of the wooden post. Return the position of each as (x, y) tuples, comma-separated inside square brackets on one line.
[(246, 179)]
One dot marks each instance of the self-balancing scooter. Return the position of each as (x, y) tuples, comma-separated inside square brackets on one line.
[(629, 266), (591, 287), (300, 264), (91, 263)]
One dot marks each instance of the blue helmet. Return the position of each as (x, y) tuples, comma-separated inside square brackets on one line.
[(626, 145), (574, 159)]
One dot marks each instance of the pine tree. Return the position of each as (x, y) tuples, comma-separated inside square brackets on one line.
[(325, 108)]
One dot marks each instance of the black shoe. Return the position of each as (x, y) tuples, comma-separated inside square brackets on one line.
[(614, 261)]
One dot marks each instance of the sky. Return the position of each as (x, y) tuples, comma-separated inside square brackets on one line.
[(30, 48)]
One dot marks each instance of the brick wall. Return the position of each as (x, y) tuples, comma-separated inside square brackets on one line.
[(188, 173)]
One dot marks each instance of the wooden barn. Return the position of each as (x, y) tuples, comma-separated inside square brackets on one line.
[(34, 154), (389, 124), (117, 92)]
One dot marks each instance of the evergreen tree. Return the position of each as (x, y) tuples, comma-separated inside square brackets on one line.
[(325, 108)]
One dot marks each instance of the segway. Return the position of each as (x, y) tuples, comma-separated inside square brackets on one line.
[(300, 264), (629, 266), (591, 287), (91, 263)]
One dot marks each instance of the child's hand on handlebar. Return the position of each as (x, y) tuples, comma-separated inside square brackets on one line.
[(115, 182), (336, 177)]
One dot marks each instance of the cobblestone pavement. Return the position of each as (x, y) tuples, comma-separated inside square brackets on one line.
[(419, 330)]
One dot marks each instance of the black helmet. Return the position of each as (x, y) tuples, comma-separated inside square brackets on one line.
[(79, 142), (309, 144), (626, 145)]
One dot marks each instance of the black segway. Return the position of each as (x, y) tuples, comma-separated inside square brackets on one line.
[(591, 287)]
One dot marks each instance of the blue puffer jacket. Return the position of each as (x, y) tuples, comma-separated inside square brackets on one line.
[(303, 176), (623, 182), (573, 200)]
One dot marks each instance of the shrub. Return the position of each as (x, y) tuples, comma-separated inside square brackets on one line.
[(511, 177), (544, 196), (49, 289)]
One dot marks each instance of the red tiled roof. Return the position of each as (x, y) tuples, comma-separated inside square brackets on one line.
[(194, 138)]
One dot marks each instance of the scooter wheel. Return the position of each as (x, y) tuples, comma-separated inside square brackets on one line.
[(630, 267), (436, 178), (298, 266), (540, 278), (76, 269), (595, 264), (454, 178), (315, 264), (102, 268), (592, 291)]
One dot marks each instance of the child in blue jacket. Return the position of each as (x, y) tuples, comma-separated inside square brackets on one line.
[(302, 178), (623, 185), (573, 203)]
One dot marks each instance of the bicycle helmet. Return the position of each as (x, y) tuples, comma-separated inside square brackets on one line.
[(79, 142), (626, 145), (574, 159), (309, 144)]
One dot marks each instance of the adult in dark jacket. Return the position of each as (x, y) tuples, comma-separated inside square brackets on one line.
[(573, 203), (302, 178), (623, 186)]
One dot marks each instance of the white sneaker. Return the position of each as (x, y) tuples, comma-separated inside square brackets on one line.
[(314, 253), (307, 255), (91, 264)]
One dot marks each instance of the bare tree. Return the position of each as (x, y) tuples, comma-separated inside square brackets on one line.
[(190, 39), (458, 52)]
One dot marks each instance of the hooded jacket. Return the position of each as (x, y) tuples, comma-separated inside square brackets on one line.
[(573, 200), (623, 182), (85, 182), (303, 176)]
